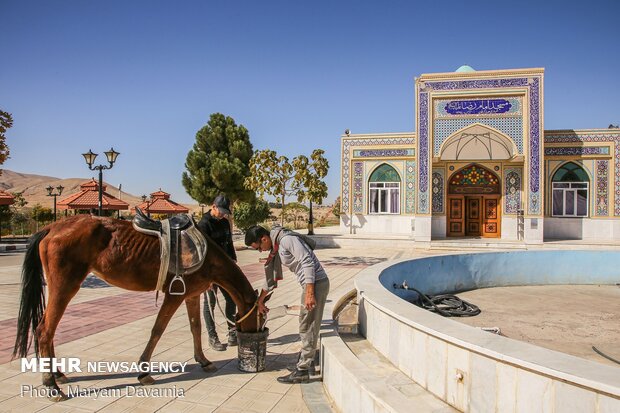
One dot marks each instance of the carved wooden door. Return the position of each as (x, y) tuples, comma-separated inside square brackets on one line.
[(456, 216), (473, 215), (491, 227)]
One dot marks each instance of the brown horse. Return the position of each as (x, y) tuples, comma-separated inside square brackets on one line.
[(68, 250)]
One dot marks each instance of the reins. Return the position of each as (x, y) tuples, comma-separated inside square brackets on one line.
[(217, 301), (249, 312)]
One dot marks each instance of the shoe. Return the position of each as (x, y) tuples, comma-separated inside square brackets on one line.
[(232, 337), (293, 367), (214, 343), (297, 376)]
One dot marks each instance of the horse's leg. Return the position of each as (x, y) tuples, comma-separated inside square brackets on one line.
[(168, 308), (193, 312), (61, 288), (59, 376)]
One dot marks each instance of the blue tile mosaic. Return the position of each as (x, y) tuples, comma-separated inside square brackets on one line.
[(409, 187), (438, 191), (481, 107), (577, 150), (511, 126), (512, 190), (382, 153)]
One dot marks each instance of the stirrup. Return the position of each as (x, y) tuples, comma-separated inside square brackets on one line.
[(180, 279)]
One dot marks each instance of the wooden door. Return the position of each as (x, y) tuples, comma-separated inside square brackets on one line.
[(473, 215), (456, 216), (492, 223)]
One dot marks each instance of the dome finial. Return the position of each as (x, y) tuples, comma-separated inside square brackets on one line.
[(465, 68)]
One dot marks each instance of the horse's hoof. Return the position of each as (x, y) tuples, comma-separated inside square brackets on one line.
[(209, 368), (61, 379), (57, 396), (146, 380)]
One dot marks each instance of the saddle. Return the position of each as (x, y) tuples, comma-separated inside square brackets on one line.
[(183, 247)]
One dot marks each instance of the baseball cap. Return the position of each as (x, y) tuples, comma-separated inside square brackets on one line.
[(222, 203)]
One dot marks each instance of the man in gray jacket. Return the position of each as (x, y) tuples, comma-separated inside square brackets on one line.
[(295, 251)]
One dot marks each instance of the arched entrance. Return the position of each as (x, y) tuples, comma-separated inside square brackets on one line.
[(474, 203)]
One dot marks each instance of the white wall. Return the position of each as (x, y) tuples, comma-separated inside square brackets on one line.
[(509, 228), (376, 224), (438, 227), (582, 228)]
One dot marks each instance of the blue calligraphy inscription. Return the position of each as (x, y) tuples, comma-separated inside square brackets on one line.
[(478, 107)]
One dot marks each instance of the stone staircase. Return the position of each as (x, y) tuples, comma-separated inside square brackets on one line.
[(359, 379)]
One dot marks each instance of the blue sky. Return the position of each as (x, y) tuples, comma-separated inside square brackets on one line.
[(143, 76)]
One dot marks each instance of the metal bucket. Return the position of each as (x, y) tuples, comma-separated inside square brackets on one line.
[(252, 349)]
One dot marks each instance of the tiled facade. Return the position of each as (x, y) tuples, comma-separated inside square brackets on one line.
[(493, 119)]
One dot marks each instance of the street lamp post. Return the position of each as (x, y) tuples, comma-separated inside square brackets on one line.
[(148, 204), (89, 157), (202, 209), (50, 192), (310, 221)]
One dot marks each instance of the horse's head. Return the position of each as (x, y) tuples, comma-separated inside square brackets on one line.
[(252, 321)]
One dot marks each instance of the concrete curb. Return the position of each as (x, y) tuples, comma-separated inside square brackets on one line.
[(13, 247)]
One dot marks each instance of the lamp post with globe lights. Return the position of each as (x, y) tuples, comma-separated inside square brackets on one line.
[(50, 192), (89, 157)]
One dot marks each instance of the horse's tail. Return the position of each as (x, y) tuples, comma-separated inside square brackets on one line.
[(32, 302)]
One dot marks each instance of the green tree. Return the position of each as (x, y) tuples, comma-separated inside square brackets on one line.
[(336, 207), (14, 214), (5, 217), (218, 162), (311, 173), (19, 199), (19, 219), (6, 121), (276, 176), (42, 215), (247, 214), (296, 212)]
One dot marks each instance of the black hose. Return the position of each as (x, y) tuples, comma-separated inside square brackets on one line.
[(605, 355), (447, 305)]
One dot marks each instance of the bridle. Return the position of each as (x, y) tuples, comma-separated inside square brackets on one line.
[(249, 312)]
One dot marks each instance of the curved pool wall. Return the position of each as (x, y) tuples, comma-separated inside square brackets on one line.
[(473, 370), (457, 273)]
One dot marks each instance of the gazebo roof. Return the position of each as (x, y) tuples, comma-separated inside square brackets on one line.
[(88, 198), (6, 198), (161, 203)]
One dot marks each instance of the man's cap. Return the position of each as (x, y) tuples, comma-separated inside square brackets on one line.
[(222, 203)]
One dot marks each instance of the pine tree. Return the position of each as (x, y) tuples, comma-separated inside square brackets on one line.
[(218, 162)]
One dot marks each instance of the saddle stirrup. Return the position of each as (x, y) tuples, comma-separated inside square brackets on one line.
[(177, 278)]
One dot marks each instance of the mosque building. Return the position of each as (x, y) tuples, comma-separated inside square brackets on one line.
[(482, 165)]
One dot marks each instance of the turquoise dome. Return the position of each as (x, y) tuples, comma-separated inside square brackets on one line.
[(465, 68)]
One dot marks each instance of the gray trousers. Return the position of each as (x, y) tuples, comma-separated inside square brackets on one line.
[(310, 323)]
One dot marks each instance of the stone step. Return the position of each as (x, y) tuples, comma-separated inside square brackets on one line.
[(476, 245), (359, 378)]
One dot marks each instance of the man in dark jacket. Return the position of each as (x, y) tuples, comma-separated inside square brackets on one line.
[(217, 227)]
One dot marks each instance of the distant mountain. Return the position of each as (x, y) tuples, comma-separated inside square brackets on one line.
[(33, 188)]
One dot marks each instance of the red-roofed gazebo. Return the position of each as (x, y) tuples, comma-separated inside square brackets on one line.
[(160, 203), (6, 198), (88, 198)]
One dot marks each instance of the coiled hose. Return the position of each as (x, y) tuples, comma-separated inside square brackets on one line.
[(447, 305)]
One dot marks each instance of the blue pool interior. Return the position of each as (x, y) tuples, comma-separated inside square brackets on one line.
[(464, 272)]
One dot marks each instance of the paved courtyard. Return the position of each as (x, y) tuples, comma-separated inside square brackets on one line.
[(105, 323), (109, 324)]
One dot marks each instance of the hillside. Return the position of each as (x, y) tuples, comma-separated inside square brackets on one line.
[(33, 188)]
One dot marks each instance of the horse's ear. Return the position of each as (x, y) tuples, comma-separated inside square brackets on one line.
[(268, 296)]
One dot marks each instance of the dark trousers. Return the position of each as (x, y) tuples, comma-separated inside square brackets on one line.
[(230, 310)]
